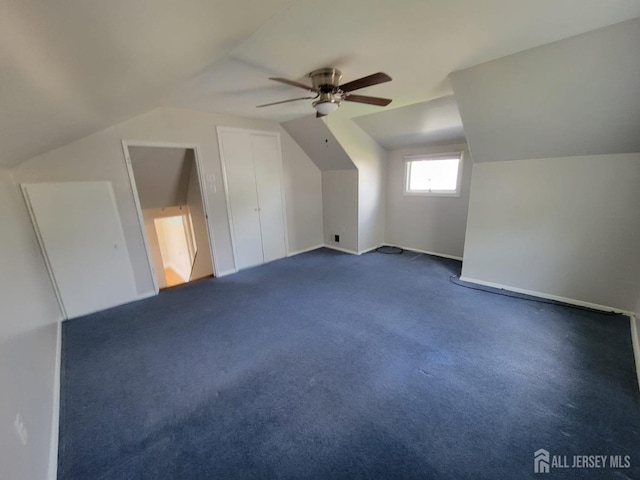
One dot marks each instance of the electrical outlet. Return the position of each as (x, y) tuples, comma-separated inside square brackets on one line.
[(336, 238), (21, 430)]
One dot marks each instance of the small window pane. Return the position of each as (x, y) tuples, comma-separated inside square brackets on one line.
[(433, 175)]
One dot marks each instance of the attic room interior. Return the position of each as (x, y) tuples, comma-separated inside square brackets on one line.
[(294, 239)]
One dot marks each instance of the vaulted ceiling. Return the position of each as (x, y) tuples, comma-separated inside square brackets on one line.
[(69, 68)]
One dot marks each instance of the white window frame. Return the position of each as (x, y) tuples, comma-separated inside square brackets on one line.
[(433, 193)]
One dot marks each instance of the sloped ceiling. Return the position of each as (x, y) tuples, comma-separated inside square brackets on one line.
[(162, 175), (416, 42), (576, 97), (436, 122), (317, 141), (71, 67)]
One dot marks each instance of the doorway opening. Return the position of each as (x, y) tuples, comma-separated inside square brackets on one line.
[(167, 183), (178, 247)]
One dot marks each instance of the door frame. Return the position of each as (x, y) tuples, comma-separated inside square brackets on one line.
[(25, 193), (223, 129), (136, 199)]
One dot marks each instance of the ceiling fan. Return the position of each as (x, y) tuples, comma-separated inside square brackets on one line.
[(329, 94)]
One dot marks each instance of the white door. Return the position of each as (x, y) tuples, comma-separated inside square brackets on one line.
[(243, 199), (202, 266), (79, 229), (268, 167)]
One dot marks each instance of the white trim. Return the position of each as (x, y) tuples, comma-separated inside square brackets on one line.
[(55, 410), (227, 272), (136, 201), (225, 186), (43, 250), (426, 193), (151, 143), (283, 196), (142, 296), (546, 296), (426, 252), (134, 190), (370, 249), (433, 156), (340, 249), (205, 205), (635, 339), (434, 193), (305, 250)]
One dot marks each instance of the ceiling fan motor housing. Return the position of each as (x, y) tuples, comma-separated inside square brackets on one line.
[(326, 79), (326, 82)]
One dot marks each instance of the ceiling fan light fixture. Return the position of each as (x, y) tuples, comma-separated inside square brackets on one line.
[(326, 107)]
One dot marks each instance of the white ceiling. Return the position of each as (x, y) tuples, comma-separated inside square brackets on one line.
[(417, 42), (319, 143), (435, 122), (71, 67)]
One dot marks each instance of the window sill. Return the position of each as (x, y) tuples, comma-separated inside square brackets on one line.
[(432, 194)]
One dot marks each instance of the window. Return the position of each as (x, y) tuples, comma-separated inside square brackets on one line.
[(437, 175)]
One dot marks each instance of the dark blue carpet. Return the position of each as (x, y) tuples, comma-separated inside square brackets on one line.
[(328, 365)]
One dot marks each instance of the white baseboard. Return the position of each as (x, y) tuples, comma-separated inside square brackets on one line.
[(340, 249), (546, 296), (142, 296), (436, 254), (444, 255), (370, 249), (635, 339), (304, 250), (226, 272), (55, 411)]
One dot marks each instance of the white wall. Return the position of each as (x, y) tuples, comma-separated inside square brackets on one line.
[(354, 172), (568, 227), (431, 224), (172, 240), (154, 240), (579, 96), (340, 208), (154, 244), (28, 344), (302, 183), (554, 133), (95, 158), (100, 157), (340, 181), (319, 142), (371, 161)]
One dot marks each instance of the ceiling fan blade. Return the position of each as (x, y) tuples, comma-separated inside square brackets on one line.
[(292, 83), (284, 101), (381, 102), (374, 79)]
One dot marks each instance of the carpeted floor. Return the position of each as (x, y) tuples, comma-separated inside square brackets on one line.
[(328, 365)]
